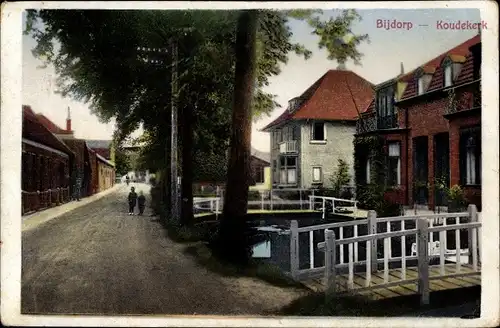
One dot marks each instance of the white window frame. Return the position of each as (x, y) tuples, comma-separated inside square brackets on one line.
[(317, 167), (368, 171), (420, 85), (470, 167), (448, 75), (324, 133), (396, 145)]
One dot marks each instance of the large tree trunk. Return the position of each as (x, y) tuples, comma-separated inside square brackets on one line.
[(187, 216), (232, 241)]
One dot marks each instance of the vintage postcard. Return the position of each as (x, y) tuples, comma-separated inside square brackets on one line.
[(264, 164)]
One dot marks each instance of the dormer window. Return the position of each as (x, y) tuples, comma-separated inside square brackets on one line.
[(448, 75), (424, 77), (420, 85)]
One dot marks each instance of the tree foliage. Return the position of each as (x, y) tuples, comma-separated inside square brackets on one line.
[(340, 179), (97, 58), (122, 162)]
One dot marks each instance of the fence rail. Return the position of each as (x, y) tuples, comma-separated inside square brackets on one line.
[(423, 228), (39, 200)]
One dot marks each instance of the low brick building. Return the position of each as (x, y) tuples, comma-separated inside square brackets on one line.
[(427, 124), (45, 165), (105, 173)]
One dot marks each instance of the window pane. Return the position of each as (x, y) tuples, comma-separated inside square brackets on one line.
[(316, 174), (291, 175), (447, 76), (283, 176), (318, 131), (394, 149), (368, 172), (282, 161), (291, 161), (393, 171), (471, 166)]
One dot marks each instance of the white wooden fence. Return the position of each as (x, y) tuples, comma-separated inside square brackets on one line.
[(425, 227), (333, 200)]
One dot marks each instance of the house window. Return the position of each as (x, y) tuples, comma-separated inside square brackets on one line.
[(448, 76), (259, 174), (288, 170), (420, 86), (318, 131), (394, 165), (317, 174), (385, 109), (470, 156), (368, 171)]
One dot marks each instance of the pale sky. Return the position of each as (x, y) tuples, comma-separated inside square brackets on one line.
[(381, 61)]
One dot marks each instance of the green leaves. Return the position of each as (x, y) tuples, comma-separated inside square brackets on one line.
[(94, 53)]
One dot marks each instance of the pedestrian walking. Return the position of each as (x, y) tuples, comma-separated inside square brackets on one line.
[(78, 188), (141, 202), (132, 200), (127, 179)]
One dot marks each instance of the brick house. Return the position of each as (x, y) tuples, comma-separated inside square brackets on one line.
[(105, 172), (317, 129), (84, 165), (104, 151), (45, 165), (428, 121)]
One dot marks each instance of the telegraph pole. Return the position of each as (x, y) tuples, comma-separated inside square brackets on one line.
[(174, 176)]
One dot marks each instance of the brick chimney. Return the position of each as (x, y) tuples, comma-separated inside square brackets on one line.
[(68, 120)]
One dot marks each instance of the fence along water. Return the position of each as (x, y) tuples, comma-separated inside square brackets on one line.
[(367, 249)]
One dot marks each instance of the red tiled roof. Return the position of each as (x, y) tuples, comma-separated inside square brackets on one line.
[(434, 67), (337, 95), (51, 125), (34, 130)]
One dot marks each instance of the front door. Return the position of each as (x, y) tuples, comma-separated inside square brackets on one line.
[(420, 170), (441, 166)]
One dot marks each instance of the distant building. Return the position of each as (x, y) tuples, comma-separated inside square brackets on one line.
[(317, 129), (260, 170)]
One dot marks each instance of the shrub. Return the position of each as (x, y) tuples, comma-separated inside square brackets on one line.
[(340, 178), (254, 195)]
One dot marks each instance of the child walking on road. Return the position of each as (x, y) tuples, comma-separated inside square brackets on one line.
[(132, 199), (141, 202)]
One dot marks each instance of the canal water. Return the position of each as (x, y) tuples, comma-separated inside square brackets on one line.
[(277, 249)]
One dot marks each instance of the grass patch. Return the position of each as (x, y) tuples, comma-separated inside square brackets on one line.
[(354, 305), (184, 234), (256, 269)]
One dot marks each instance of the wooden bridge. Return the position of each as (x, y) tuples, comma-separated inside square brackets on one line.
[(378, 273)]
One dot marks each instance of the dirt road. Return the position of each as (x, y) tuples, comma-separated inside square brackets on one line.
[(99, 260)]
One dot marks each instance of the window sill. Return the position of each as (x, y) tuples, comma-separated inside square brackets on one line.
[(318, 142)]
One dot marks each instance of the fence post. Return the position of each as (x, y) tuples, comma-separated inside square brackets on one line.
[(294, 249), (372, 230), (423, 260), (330, 257), (311, 201), (262, 200), (324, 207), (271, 198), (472, 209), (300, 196)]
